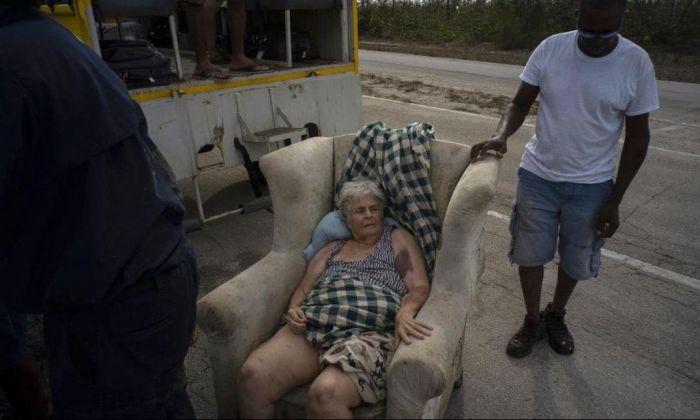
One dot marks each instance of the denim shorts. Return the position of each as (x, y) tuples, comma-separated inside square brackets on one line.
[(547, 211)]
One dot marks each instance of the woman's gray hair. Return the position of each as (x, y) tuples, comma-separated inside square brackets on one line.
[(352, 190)]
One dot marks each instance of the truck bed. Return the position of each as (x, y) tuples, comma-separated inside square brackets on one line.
[(277, 68)]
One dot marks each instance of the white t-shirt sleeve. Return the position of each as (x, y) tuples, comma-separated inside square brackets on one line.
[(646, 98), (532, 72)]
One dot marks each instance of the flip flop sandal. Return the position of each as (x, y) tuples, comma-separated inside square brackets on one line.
[(213, 73), (251, 69)]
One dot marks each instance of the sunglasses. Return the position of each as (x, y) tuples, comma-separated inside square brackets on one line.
[(588, 35), (596, 35)]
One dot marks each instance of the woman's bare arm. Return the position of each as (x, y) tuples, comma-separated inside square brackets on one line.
[(295, 316), (313, 271), (410, 264)]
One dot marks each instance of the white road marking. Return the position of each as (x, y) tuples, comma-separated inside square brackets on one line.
[(645, 267), (668, 128), (489, 117), (676, 122), (433, 108)]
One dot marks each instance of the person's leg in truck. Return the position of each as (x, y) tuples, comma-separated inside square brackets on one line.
[(200, 22), (237, 21)]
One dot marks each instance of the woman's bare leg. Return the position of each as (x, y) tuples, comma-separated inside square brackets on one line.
[(332, 395), (281, 363)]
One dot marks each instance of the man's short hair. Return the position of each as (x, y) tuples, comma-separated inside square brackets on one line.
[(603, 5)]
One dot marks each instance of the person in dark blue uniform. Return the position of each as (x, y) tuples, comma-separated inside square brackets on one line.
[(91, 230)]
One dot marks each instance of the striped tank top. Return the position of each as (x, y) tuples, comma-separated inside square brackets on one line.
[(377, 268)]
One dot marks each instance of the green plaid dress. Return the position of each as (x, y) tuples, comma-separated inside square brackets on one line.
[(399, 159), (351, 323), (341, 307)]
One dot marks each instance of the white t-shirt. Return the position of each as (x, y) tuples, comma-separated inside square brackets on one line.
[(583, 104)]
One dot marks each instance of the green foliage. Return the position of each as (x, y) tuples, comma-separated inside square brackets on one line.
[(661, 25)]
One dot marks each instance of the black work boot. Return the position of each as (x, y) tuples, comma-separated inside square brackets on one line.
[(520, 345), (559, 337)]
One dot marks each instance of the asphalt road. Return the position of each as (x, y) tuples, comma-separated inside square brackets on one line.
[(659, 212), (680, 101), (636, 326)]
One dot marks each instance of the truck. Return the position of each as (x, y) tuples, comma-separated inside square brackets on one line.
[(207, 125)]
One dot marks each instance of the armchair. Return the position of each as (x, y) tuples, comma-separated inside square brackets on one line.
[(245, 311)]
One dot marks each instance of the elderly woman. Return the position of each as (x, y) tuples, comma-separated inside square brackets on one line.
[(357, 298)]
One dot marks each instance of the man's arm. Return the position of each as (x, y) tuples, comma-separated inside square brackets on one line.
[(410, 264), (634, 151), (510, 122)]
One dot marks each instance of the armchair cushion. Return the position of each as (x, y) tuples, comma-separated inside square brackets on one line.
[(332, 227)]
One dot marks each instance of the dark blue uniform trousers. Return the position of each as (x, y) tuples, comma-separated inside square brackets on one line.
[(121, 359)]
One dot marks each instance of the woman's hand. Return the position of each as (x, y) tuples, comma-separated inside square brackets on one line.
[(407, 327), (296, 320)]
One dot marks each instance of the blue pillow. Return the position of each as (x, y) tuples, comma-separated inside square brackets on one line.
[(332, 227)]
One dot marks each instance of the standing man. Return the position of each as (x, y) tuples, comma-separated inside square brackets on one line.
[(91, 233), (591, 83)]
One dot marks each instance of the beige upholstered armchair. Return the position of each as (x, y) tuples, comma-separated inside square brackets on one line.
[(245, 311)]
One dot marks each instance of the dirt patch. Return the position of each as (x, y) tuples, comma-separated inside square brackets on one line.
[(416, 91), (679, 68)]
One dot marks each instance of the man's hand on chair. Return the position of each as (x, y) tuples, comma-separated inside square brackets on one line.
[(497, 143), (296, 320)]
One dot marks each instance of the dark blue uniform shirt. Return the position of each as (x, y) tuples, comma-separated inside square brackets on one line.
[(87, 205)]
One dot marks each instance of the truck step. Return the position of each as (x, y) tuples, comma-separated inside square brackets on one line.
[(274, 135)]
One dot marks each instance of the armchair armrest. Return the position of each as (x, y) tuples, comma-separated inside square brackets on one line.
[(426, 369), (243, 312), (459, 262), (239, 315)]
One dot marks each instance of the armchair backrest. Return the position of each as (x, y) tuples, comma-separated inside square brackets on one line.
[(447, 163)]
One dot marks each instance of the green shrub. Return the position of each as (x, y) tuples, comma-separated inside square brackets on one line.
[(669, 26)]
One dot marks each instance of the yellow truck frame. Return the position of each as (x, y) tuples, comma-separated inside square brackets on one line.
[(204, 125)]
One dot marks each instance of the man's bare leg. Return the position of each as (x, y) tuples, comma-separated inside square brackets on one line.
[(560, 338), (281, 363), (532, 331), (531, 283), (565, 286), (200, 21), (332, 395), (237, 20)]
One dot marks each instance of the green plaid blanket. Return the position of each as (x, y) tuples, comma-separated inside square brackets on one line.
[(340, 308), (399, 159)]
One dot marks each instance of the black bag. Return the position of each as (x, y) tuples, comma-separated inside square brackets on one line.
[(138, 63), (270, 44)]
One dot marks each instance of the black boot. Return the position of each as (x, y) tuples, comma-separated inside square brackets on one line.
[(559, 337), (520, 345)]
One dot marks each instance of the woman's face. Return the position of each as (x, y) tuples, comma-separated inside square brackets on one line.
[(366, 217)]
